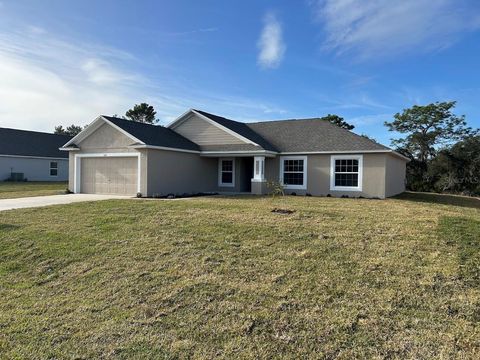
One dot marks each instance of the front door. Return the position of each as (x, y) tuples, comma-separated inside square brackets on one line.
[(247, 174)]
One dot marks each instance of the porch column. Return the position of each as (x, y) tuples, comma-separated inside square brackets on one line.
[(258, 182)]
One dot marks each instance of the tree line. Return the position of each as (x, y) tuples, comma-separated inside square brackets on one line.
[(444, 151)]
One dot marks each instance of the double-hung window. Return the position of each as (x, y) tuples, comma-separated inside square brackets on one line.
[(226, 172), (53, 168), (346, 172), (293, 172)]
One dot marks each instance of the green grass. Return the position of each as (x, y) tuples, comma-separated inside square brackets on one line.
[(13, 190), (227, 278)]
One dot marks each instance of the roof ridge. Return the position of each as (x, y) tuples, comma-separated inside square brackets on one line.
[(132, 121), (284, 120)]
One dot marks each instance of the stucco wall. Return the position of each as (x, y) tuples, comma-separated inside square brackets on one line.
[(395, 175), (33, 169), (106, 139), (318, 176), (179, 172)]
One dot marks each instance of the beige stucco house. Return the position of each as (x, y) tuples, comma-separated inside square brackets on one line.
[(201, 152)]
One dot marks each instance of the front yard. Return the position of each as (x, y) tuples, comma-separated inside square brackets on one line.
[(227, 278), (13, 190)]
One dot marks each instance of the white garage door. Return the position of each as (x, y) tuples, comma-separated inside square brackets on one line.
[(109, 175)]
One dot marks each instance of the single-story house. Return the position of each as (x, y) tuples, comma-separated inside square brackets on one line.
[(32, 156), (202, 152)]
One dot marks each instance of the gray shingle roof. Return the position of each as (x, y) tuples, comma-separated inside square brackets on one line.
[(154, 135), (298, 135), (32, 143), (312, 135)]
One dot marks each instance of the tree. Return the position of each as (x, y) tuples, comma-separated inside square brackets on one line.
[(71, 130), (143, 113), (428, 127), (457, 169), (339, 121)]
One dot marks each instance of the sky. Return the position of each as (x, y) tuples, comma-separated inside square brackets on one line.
[(64, 62)]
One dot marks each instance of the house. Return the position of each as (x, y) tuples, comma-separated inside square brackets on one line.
[(202, 152), (32, 156)]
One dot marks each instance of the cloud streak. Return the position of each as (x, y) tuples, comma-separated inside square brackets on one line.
[(270, 44), (385, 28)]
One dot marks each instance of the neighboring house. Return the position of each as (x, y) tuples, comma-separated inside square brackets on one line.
[(36, 155), (201, 152)]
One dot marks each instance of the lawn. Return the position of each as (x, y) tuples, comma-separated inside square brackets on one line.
[(12, 190), (227, 278)]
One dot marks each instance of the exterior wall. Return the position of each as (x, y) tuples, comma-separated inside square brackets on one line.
[(318, 176), (395, 175), (34, 169), (172, 172), (71, 167), (259, 187), (202, 132)]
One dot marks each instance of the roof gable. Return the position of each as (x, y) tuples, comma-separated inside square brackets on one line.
[(106, 136), (237, 129), (203, 132), (240, 128), (31, 143)]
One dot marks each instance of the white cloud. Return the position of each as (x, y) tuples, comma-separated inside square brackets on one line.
[(271, 45), (47, 81), (380, 28)]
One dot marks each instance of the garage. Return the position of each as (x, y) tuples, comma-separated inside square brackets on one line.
[(109, 175)]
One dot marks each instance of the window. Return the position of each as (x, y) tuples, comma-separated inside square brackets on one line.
[(53, 168), (346, 173), (293, 172), (226, 174)]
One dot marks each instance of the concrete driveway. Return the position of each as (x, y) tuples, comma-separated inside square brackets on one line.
[(39, 201)]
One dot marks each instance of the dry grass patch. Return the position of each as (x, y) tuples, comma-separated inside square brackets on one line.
[(227, 278)]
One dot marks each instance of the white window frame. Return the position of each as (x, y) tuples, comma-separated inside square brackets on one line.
[(333, 158), (220, 183), (53, 168), (294, 187)]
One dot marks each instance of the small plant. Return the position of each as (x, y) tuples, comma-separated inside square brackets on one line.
[(275, 188), (139, 194)]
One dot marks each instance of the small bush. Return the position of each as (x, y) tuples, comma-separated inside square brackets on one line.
[(275, 188)]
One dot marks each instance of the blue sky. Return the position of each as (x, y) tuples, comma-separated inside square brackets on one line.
[(64, 62)]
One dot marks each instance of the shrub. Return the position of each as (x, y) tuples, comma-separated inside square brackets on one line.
[(275, 188)]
